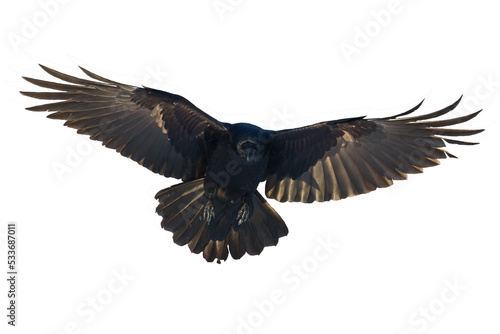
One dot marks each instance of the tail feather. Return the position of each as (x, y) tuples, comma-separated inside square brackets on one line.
[(179, 202), (190, 229), (181, 207), (253, 245), (236, 244), (266, 223), (200, 241), (216, 250)]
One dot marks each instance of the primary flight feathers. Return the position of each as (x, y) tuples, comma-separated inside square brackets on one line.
[(220, 213)]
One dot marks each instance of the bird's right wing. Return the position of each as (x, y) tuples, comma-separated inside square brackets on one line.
[(338, 159), (161, 131)]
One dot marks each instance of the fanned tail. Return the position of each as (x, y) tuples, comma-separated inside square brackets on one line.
[(182, 208)]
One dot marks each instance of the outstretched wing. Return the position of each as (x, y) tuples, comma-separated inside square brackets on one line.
[(343, 158), (161, 131)]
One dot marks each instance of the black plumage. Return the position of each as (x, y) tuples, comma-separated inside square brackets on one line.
[(217, 209)]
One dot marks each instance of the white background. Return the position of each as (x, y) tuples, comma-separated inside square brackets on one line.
[(277, 65)]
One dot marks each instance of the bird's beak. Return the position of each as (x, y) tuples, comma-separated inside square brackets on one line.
[(249, 151)]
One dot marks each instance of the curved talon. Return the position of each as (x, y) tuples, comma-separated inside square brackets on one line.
[(208, 212), (243, 214)]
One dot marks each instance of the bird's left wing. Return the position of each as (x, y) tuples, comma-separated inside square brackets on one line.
[(161, 131), (343, 158)]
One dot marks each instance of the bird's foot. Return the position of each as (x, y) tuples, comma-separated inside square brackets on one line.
[(243, 214), (208, 212)]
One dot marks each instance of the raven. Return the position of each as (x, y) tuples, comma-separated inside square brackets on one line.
[(217, 209)]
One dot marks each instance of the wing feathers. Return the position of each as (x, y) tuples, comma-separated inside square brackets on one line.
[(361, 154), (159, 130), (435, 114), (406, 112), (96, 89)]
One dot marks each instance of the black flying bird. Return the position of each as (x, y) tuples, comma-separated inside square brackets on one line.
[(217, 209)]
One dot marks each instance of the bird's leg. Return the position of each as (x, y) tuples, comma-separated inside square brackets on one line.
[(243, 213), (208, 210)]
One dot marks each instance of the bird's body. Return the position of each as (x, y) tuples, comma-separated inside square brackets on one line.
[(217, 209), (242, 152)]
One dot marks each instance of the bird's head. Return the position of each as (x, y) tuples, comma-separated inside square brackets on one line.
[(249, 141), (249, 150)]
